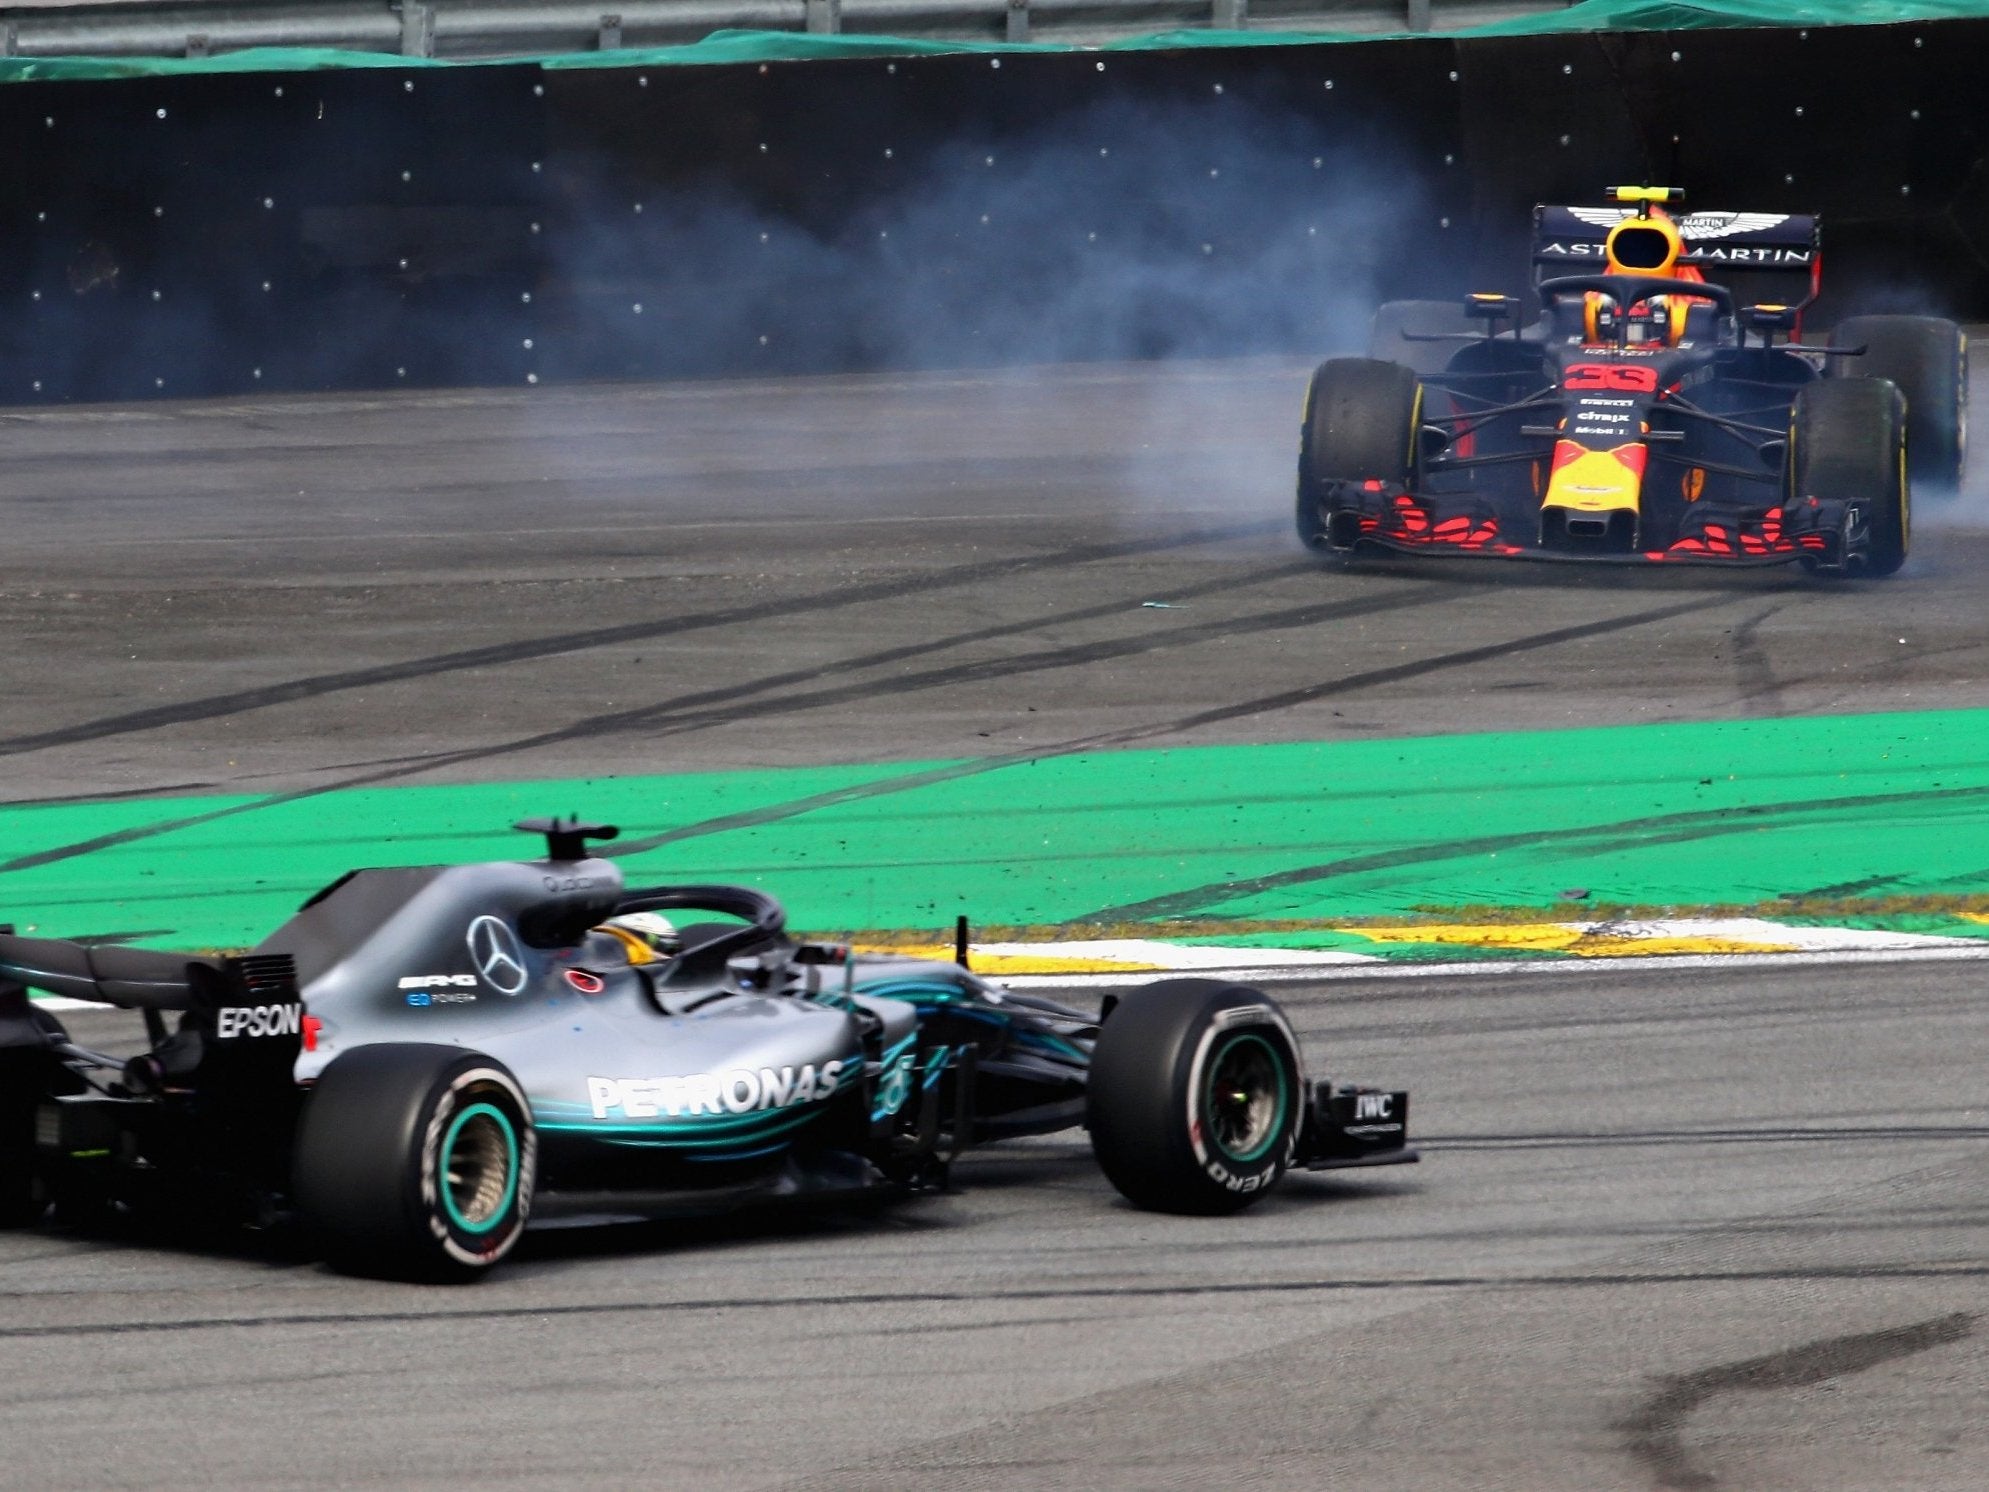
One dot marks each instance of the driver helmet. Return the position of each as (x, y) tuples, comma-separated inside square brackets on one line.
[(1647, 243), (649, 937)]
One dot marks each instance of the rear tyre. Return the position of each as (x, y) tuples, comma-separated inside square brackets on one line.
[(1195, 1096), (415, 1162), (1927, 356), (1848, 444), (23, 1199), (1422, 318), (1362, 418)]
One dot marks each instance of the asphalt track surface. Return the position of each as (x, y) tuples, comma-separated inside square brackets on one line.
[(1674, 1228)]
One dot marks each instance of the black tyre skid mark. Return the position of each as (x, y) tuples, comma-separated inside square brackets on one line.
[(1778, 1135), (678, 716), (1066, 657), (650, 1305), (1655, 1434), (659, 714), (656, 720), (221, 705), (1664, 828), (1133, 735)]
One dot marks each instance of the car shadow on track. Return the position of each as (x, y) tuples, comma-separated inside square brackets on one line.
[(1560, 575), (1065, 1169)]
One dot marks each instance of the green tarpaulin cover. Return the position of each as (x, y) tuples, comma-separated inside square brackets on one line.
[(790, 46)]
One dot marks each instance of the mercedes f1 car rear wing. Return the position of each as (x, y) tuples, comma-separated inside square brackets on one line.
[(104, 972)]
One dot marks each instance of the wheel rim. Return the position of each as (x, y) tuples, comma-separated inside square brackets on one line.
[(1247, 1098), (479, 1168)]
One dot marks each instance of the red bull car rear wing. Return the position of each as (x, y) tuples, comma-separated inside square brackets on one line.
[(1570, 240)]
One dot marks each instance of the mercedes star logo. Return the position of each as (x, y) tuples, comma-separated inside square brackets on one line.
[(494, 950)]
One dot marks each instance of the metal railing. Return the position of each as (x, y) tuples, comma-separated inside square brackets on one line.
[(493, 28)]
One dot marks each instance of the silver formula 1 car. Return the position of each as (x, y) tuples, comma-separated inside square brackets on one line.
[(423, 1060)]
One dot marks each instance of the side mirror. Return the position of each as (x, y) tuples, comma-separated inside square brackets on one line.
[(1768, 319), (1487, 306)]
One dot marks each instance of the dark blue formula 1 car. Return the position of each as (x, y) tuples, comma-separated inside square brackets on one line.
[(1635, 410), (423, 1060)]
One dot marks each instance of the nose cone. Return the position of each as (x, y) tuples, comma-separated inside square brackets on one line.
[(1596, 481), (1592, 500)]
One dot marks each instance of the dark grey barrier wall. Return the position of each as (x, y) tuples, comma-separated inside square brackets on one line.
[(958, 209), (210, 233), (497, 224), (1880, 129)]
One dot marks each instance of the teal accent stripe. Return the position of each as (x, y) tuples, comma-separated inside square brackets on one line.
[(728, 1129), (630, 1136), (935, 1064)]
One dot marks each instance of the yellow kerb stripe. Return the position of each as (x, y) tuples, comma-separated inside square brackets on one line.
[(1046, 962)]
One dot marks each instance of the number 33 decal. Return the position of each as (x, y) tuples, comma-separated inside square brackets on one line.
[(1616, 377)]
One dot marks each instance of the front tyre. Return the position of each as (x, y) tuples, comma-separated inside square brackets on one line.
[(1362, 421), (1848, 445), (1195, 1096), (415, 1162)]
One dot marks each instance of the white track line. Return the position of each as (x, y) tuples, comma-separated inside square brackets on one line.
[(1463, 968), (1480, 968)]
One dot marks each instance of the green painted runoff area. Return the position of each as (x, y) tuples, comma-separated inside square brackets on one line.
[(733, 47), (1883, 811)]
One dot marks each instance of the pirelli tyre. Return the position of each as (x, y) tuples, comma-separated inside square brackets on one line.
[(1398, 321), (1195, 1096), (22, 1197), (415, 1162), (1927, 356), (1847, 443), (1362, 419)]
